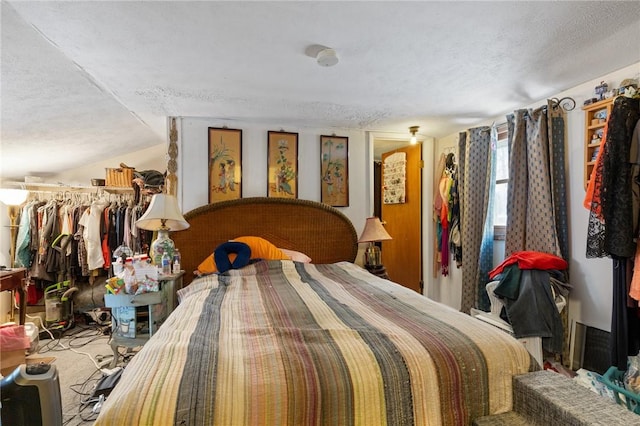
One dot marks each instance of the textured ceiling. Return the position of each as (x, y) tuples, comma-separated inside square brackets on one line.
[(82, 81)]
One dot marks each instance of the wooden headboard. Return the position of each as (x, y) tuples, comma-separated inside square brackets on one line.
[(322, 232)]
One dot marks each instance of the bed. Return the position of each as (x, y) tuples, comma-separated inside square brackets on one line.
[(281, 342)]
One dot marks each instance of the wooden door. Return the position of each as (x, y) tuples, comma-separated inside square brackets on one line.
[(402, 256)]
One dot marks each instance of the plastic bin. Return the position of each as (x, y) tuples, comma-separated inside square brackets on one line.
[(614, 380)]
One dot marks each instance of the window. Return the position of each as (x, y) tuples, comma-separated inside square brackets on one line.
[(502, 184)]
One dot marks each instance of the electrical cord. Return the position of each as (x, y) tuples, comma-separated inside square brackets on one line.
[(76, 338), (73, 340), (70, 346), (88, 405), (86, 400)]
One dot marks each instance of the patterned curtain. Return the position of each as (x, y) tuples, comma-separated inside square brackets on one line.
[(556, 119), (536, 198), (476, 180)]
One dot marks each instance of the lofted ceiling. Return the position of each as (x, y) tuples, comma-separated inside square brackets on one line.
[(84, 81)]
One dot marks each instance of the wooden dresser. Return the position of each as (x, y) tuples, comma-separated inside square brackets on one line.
[(14, 279)]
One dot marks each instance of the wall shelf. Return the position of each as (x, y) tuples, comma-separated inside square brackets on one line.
[(595, 120)]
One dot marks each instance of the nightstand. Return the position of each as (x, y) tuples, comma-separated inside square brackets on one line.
[(135, 318), (378, 271), (173, 283)]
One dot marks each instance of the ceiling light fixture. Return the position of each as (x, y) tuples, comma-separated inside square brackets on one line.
[(327, 57), (413, 130)]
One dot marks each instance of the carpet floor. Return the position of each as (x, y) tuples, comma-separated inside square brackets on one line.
[(80, 355)]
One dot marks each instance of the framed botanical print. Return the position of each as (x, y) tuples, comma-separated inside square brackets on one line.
[(334, 168), (282, 157), (225, 164)]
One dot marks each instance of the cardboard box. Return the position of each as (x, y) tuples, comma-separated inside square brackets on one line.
[(9, 360)]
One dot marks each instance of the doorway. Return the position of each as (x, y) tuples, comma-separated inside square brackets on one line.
[(402, 256)]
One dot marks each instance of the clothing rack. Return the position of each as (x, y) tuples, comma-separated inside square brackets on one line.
[(52, 213), (63, 192), (77, 196), (52, 187)]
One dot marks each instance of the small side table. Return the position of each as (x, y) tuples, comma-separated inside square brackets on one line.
[(173, 283), (125, 315), (378, 270), (14, 279)]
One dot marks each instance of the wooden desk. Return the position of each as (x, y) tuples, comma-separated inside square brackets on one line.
[(14, 279)]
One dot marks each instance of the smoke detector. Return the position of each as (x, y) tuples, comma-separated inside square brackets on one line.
[(327, 57)]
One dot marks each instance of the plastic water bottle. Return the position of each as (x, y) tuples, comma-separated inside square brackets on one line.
[(176, 261), (166, 264), (176, 256)]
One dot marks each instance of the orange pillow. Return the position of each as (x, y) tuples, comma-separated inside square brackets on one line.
[(208, 266), (260, 249)]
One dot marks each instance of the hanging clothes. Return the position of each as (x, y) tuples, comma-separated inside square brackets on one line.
[(24, 255), (446, 209), (593, 188), (50, 240), (90, 221), (455, 239), (443, 188), (437, 206), (612, 233), (47, 229), (634, 159)]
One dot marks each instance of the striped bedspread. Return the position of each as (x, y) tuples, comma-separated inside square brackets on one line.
[(286, 343)]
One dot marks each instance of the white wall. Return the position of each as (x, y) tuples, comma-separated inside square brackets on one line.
[(153, 158), (447, 290), (590, 301), (193, 163)]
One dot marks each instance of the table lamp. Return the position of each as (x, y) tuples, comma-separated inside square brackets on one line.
[(373, 232), (162, 215), (13, 199)]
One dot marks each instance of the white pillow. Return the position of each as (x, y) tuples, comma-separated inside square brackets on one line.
[(296, 256)]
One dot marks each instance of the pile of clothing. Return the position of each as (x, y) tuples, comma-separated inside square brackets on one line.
[(531, 285)]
